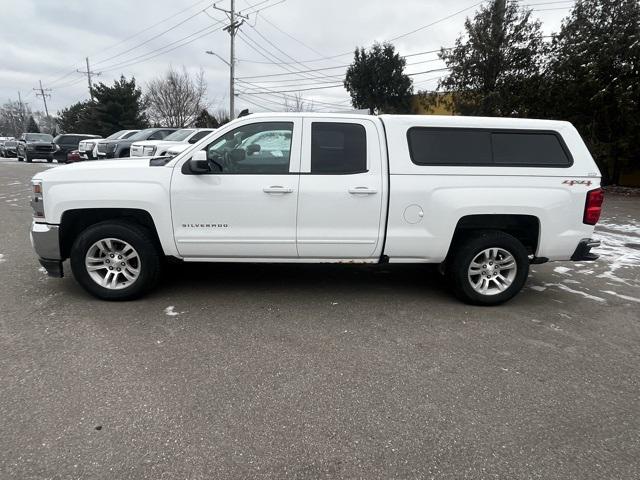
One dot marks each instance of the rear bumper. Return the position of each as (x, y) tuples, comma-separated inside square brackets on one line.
[(583, 250), (45, 240)]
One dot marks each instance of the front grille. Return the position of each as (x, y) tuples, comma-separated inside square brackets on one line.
[(44, 148)]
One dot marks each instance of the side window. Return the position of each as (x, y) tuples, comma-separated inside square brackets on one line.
[(158, 135), (256, 148), (338, 148), (199, 136), (433, 146), (540, 149), (485, 147)]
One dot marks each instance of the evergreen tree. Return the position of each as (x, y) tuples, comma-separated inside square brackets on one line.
[(595, 80), (376, 80), (78, 118), (206, 120), (32, 126), (494, 69), (118, 107)]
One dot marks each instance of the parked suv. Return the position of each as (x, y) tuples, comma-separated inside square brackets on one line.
[(68, 142), (88, 149), (35, 145), (158, 148), (8, 148), (118, 148)]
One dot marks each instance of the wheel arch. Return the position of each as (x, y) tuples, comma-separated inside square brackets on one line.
[(74, 221), (526, 228)]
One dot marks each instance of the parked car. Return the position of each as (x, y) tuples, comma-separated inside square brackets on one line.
[(482, 197), (35, 145), (73, 157), (158, 148), (8, 148), (89, 148), (68, 142), (118, 148)]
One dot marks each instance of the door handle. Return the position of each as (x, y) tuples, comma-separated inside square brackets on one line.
[(362, 191), (277, 189)]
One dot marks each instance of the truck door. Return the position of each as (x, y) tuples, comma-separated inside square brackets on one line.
[(340, 205), (246, 206)]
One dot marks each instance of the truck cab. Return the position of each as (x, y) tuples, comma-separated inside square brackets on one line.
[(482, 197)]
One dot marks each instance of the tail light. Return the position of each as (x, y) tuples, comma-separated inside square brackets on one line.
[(593, 206)]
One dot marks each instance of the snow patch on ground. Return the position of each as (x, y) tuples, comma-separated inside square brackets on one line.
[(561, 286), (538, 288), (562, 270), (624, 297), (2, 259), (171, 311), (620, 249)]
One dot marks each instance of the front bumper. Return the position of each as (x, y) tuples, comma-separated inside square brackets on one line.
[(583, 251), (45, 240)]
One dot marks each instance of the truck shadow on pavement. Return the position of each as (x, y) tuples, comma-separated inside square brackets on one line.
[(303, 279)]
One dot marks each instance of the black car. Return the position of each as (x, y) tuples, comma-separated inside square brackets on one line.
[(8, 148), (68, 142), (35, 145), (121, 147)]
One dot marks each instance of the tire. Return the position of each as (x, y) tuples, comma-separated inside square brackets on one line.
[(50, 160), (27, 158), (123, 153), (502, 284), (148, 261)]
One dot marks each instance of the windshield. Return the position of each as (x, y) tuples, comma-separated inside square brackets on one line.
[(179, 135), (38, 137), (115, 135), (142, 134)]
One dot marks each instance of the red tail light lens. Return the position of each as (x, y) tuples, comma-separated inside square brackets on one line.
[(593, 206)]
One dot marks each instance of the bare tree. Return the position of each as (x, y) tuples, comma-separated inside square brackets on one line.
[(176, 99), (13, 118), (297, 104)]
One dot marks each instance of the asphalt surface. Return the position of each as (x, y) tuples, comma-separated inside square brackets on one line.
[(295, 372)]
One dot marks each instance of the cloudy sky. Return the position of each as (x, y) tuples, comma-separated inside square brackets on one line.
[(286, 45)]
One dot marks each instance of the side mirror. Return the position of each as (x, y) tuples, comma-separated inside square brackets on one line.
[(198, 163), (253, 148)]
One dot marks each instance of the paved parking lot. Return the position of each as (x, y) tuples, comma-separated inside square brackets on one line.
[(244, 371)]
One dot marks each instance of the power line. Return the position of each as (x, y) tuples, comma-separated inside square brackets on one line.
[(132, 61), (135, 47), (130, 37)]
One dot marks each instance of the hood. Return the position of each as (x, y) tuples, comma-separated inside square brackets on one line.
[(90, 171), (152, 143)]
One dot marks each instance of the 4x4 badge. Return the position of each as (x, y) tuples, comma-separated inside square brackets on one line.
[(577, 182)]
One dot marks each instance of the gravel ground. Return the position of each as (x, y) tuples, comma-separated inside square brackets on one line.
[(272, 371)]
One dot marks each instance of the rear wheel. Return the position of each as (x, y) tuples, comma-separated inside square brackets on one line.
[(489, 268), (116, 260)]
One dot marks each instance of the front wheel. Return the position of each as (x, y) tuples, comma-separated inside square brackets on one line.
[(116, 260), (489, 268), (27, 158)]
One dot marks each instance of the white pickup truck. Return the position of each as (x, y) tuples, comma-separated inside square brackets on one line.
[(482, 197)]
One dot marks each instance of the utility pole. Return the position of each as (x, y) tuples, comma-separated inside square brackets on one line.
[(88, 73), (232, 28), (44, 97)]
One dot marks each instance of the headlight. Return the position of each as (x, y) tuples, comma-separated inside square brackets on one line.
[(37, 200), (149, 150)]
